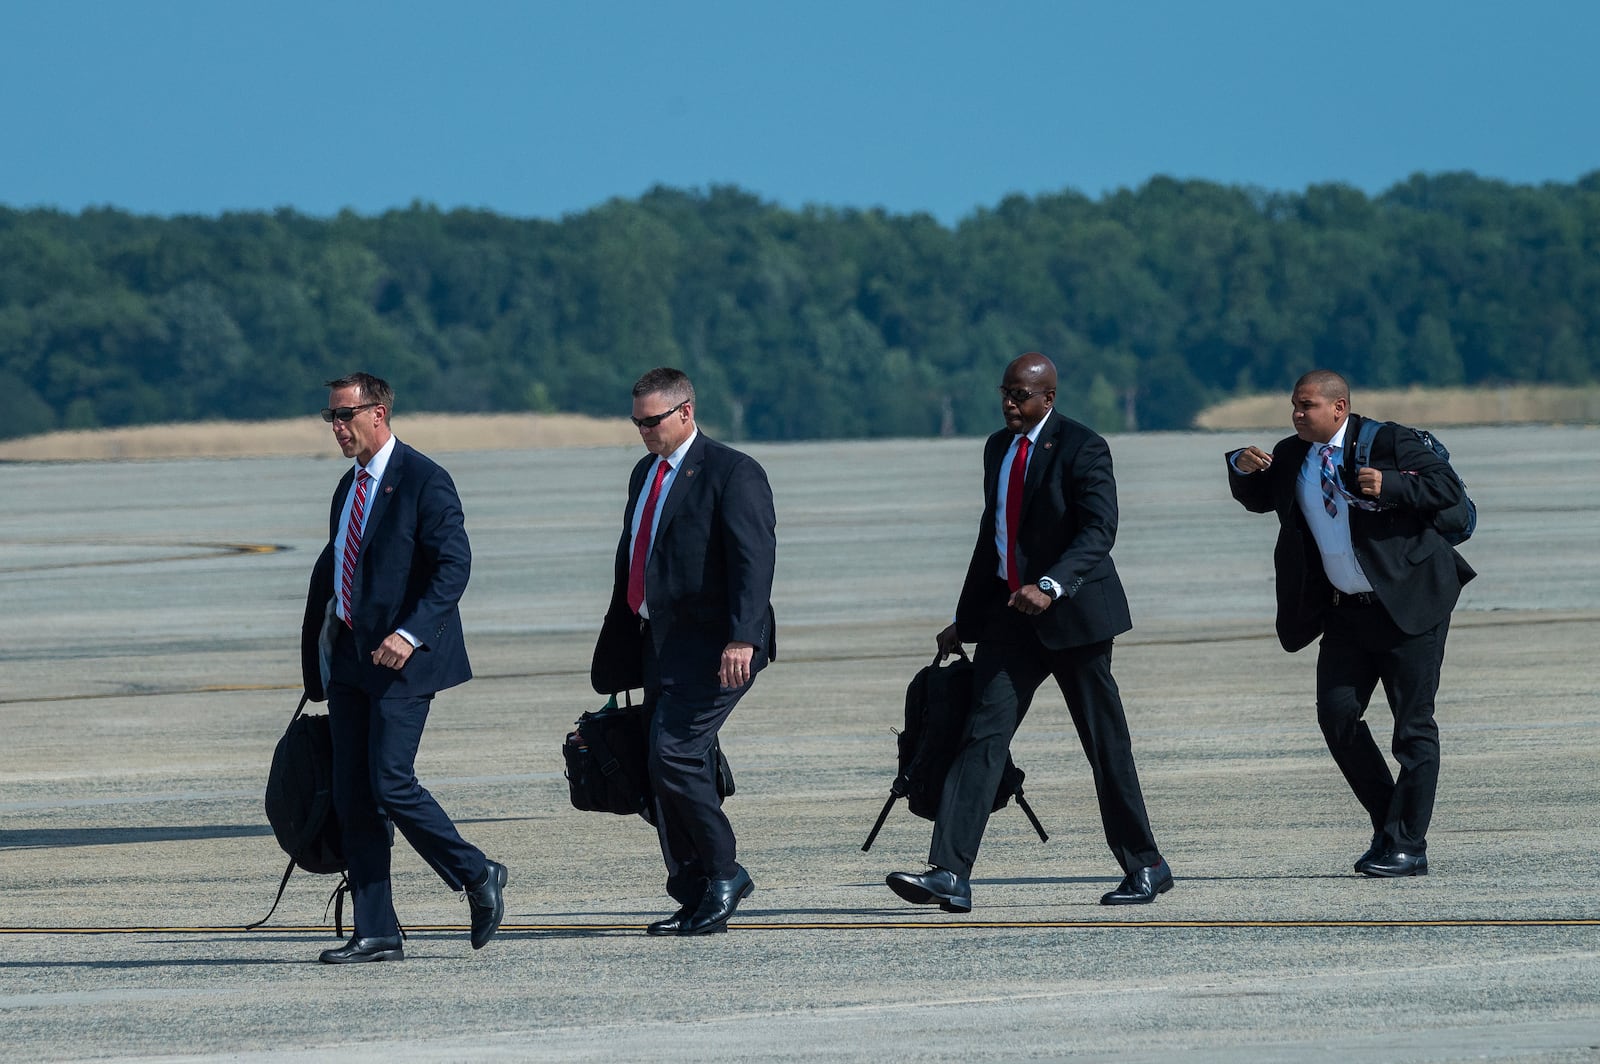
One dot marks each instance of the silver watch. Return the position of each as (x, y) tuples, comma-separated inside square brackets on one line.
[(1050, 587)]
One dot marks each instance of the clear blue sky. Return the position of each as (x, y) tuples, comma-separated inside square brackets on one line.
[(546, 108)]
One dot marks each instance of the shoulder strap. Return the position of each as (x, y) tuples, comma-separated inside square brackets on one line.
[(1364, 437)]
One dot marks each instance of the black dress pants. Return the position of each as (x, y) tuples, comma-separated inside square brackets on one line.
[(375, 741), (697, 841), (1362, 647), (1007, 669)]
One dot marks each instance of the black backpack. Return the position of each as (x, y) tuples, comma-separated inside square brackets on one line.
[(1457, 528), (299, 804), (938, 701), (607, 757)]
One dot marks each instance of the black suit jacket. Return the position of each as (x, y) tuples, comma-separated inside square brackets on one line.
[(1068, 524), (709, 578), (411, 573), (1416, 575)]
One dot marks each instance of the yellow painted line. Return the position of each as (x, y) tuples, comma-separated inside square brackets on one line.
[(867, 925)]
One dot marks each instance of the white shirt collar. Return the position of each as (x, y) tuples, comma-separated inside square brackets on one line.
[(1033, 433), (675, 459), (380, 461)]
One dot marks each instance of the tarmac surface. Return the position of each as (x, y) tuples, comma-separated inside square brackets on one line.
[(149, 662)]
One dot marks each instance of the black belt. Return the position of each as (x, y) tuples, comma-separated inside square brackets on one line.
[(1355, 598)]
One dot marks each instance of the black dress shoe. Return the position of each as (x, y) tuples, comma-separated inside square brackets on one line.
[(672, 924), (1140, 887), (487, 902), (1395, 864), (1380, 842), (721, 899), (358, 949), (937, 886)]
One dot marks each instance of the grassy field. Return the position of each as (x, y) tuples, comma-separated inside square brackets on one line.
[(1521, 405), (443, 433)]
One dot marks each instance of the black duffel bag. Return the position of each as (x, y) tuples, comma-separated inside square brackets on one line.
[(607, 756)]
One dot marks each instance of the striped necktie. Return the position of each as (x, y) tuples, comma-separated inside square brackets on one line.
[(1330, 486), (352, 543)]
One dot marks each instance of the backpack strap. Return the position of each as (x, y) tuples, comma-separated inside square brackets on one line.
[(1364, 437), (1033, 819), (872, 836), (282, 884), (336, 903)]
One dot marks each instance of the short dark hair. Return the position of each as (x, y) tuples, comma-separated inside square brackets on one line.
[(373, 389), (664, 380), (1328, 384)]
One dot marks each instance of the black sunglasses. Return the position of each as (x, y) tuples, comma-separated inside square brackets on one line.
[(343, 413), (655, 419), (1019, 395)]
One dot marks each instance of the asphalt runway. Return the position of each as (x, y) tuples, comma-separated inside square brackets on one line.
[(149, 661)]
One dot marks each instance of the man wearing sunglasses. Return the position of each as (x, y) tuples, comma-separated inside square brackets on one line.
[(1041, 598), (382, 634), (690, 622)]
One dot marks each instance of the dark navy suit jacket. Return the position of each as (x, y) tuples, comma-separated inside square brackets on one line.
[(1416, 575), (709, 578), (411, 573), (1069, 522)]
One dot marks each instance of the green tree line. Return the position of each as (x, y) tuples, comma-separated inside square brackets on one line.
[(1154, 302)]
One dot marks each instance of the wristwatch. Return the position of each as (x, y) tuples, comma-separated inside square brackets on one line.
[(1050, 587)]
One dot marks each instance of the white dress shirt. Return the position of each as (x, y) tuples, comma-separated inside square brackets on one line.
[(375, 469), (1332, 533), (1002, 534), (673, 460)]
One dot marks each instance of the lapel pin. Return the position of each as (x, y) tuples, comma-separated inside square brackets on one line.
[(388, 490), (688, 472)]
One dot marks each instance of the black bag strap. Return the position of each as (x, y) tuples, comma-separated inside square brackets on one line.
[(872, 836), (336, 903), (1026, 808), (282, 884)]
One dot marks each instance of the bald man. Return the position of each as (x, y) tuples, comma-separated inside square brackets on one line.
[(1041, 598)]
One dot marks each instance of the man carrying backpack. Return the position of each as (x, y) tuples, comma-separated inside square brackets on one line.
[(381, 636), (1041, 599), (1362, 559)]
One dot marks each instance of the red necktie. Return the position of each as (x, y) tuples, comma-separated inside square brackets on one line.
[(641, 540), (352, 543), (1019, 471)]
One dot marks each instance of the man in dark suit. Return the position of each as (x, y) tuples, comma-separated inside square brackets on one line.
[(1041, 598), (1360, 561), (381, 635), (691, 622)]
